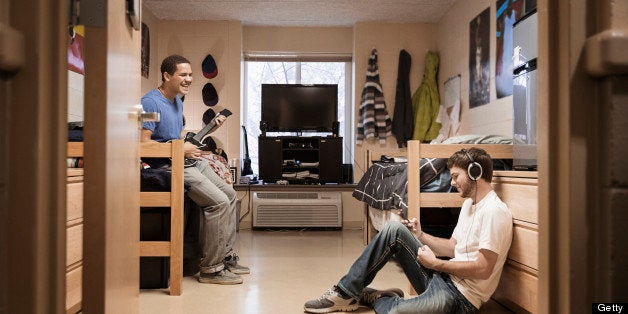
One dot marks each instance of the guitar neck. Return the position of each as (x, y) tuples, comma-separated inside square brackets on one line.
[(246, 142), (199, 136)]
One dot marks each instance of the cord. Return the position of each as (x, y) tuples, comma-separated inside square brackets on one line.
[(248, 205), (473, 219)]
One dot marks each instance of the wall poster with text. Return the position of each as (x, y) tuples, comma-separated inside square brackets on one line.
[(76, 51), (507, 13), (479, 69)]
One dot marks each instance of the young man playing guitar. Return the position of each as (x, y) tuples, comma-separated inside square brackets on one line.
[(217, 200)]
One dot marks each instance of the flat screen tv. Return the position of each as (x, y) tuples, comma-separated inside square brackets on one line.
[(299, 108)]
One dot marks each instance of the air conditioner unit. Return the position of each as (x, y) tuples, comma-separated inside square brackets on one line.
[(297, 209)]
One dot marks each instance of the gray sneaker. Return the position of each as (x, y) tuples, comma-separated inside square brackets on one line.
[(223, 277), (369, 295), (331, 301), (231, 263)]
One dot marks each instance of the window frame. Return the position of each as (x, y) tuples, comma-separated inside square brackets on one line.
[(298, 58)]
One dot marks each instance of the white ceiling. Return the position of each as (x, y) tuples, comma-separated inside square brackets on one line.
[(325, 13)]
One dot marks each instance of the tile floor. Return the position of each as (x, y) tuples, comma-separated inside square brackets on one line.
[(287, 269)]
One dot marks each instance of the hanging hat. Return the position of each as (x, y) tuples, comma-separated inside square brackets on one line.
[(210, 95), (210, 144), (208, 115), (209, 67)]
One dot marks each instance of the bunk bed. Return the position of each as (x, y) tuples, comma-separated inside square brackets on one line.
[(173, 248), (519, 190)]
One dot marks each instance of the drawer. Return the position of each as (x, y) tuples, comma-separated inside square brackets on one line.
[(73, 290), (524, 248), (74, 244), (74, 200), (517, 287), (521, 196)]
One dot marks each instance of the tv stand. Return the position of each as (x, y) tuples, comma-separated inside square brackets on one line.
[(300, 160)]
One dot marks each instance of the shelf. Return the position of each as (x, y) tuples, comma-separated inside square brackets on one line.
[(322, 156)]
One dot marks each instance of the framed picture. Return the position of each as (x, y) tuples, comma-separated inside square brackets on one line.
[(234, 173), (146, 51), (76, 52), (479, 37)]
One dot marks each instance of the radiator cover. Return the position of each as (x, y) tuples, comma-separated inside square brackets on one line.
[(297, 209)]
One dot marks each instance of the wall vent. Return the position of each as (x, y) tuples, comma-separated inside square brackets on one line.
[(297, 209)]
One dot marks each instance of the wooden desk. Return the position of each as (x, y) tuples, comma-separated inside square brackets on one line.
[(296, 187)]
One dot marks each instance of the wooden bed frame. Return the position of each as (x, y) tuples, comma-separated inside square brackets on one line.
[(173, 199), (518, 189)]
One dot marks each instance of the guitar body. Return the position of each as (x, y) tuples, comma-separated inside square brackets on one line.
[(189, 137), (246, 167)]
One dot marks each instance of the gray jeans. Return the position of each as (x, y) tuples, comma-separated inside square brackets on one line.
[(217, 201)]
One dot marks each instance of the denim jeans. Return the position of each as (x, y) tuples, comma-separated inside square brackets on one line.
[(217, 201), (436, 291)]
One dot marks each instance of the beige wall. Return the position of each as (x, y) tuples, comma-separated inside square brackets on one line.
[(388, 39), (76, 93), (194, 40), (298, 39), (154, 77), (226, 40), (453, 47)]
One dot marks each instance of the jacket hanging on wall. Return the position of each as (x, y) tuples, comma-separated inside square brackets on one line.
[(425, 102), (373, 120), (403, 119)]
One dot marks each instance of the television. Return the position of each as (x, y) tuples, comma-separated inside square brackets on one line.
[(299, 108)]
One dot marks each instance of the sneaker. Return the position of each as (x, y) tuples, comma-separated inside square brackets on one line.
[(231, 263), (223, 277), (369, 295), (331, 301)]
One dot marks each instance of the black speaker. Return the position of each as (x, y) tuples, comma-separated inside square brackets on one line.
[(335, 128), (347, 173)]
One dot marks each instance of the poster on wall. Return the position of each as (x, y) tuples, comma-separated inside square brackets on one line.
[(145, 50), (508, 11), (479, 37), (76, 39)]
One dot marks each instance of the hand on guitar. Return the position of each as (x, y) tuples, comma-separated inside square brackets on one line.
[(219, 120), (191, 151)]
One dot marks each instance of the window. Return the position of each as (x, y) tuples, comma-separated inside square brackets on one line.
[(276, 71)]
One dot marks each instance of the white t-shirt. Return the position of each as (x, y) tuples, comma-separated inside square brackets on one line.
[(486, 225)]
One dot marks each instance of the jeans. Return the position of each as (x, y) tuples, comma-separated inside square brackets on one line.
[(437, 293), (217, 201)]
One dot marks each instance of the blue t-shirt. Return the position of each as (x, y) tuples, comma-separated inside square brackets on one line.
[(171, 123)]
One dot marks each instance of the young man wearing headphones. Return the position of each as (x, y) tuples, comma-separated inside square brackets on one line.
[(476, 250)]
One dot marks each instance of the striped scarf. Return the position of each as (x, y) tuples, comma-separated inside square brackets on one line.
[(373, 120)]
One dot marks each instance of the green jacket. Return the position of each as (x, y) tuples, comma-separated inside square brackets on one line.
[(425, 102)]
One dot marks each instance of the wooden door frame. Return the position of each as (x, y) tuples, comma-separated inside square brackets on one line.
[(35, 136), (579, 244)]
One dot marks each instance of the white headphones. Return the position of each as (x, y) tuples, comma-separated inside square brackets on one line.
[(474, 170)]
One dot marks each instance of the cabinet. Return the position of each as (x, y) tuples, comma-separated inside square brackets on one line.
[(74, 240), (300, 159)]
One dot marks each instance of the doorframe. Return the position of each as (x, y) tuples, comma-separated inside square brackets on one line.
[(574, 218), (34, 165)]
